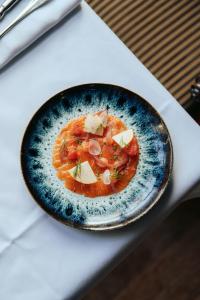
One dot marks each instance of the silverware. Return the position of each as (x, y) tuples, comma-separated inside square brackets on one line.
[(32, 5), (6, 5)]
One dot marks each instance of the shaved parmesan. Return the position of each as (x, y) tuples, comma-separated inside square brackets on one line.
[(93, 124), (83, 173), (123, 138)]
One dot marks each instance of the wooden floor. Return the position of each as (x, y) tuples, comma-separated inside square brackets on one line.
[(166, 266)]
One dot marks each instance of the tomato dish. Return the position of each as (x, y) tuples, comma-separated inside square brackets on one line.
[(96, 155)]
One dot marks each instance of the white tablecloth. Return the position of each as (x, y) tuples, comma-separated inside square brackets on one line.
[(32, 27), (39, 257)]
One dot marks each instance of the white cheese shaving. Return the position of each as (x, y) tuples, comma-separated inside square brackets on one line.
[(83, 173), (123, 138), (93, 124)]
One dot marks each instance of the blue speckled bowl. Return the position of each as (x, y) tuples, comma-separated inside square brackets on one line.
[(108, 212)]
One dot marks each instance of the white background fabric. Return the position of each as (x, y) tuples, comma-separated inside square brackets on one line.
[(32, 27), (39, 257)]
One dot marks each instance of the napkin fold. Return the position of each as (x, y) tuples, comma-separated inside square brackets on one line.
[(33, 27)]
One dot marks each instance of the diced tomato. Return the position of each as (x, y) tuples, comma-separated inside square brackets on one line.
[(132, 148), (101, 162), (108, 152), (72, 142), (77, 130), (108, 136), (72, 155)]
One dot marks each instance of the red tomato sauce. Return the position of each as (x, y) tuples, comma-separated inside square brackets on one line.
[(72, 147)]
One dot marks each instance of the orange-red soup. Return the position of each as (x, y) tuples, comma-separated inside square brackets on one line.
[(72, 147)]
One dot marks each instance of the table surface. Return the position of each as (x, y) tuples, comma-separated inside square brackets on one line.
[(39, 257)]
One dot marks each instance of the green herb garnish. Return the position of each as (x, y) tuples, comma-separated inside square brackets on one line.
[(114, 147), (97, 174), (115, 157), (122, 143), (116, 174), (79, 142), (77, 171), (100, 127)]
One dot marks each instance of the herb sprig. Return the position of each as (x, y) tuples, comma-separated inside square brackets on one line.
[(114, 147), (122, 143), (115, 157), (116, 174), (77, 170)]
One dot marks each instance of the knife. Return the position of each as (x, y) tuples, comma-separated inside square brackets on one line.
[(6, 5), (31, 6)]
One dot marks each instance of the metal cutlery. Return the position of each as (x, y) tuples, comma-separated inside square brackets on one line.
[(32, 6), (6, 5)]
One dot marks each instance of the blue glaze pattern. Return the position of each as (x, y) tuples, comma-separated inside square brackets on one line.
[(101, 213)]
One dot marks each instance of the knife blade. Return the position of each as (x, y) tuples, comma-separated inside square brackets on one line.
[(32, 6), (6, 6)]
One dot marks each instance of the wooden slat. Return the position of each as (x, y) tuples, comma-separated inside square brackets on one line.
[(162, 29), (164, 35), (156, 56), (147, 26)]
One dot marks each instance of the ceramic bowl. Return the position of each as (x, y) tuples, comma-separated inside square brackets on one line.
[(100, 213)]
